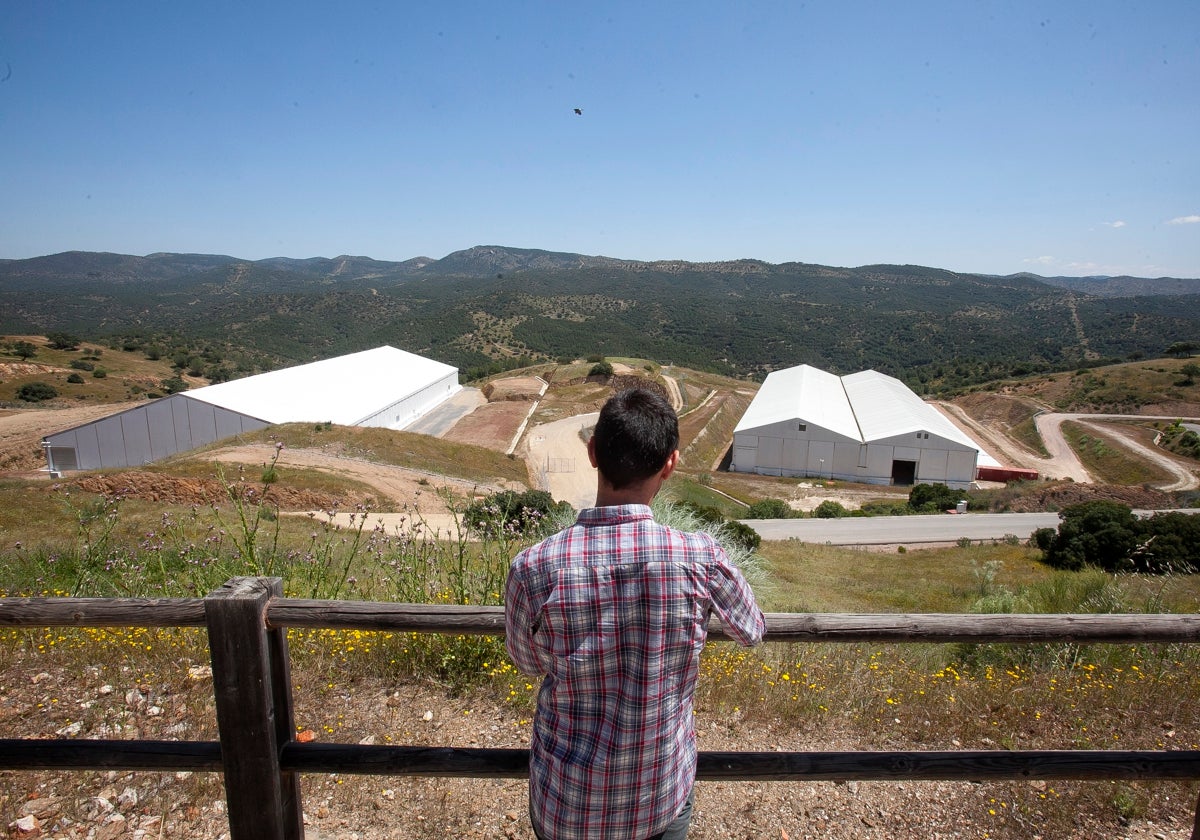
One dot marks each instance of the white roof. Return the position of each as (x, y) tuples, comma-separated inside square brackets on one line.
[(344, 390), (806, 392), (865, 406), (886, 407)]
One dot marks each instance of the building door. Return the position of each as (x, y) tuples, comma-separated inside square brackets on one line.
[(904, 473)]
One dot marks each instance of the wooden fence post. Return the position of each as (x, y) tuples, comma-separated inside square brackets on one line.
[(252, 685)]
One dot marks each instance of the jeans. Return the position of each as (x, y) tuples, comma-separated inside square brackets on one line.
[(678, 828)]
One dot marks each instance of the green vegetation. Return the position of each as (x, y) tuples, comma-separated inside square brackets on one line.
[(769, 509), (1181, 441), (934, 498), (1106, 535), (533, 512), (1108, 461), (940, 331), (36, 392), (829, 509)]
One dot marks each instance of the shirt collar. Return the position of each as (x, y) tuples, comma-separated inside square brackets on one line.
[(613, 515)]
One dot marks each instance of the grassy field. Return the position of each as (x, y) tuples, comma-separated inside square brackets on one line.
[(1108, 461)]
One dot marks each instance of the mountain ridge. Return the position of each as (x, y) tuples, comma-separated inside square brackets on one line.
[(490, 305)]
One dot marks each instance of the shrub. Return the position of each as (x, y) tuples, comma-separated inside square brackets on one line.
[(712, 520), (769, 509), (75, 379), (80, 364), (36, 392), (512, 512), (829, 509), (99, 373), (173, 385), (1098, 533), (601, 369), (885, 507), (931, 498)]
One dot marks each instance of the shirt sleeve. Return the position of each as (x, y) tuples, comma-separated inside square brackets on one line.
[(518, 624), (733, 601)]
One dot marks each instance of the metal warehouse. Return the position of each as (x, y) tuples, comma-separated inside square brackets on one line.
[(381, 387), (865, 427)]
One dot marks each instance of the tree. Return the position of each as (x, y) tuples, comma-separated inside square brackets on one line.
[(601, 369), (931, 498), (36, 392), (173, 385), (1190, 371), (24, 349), (1097, 533), (62, 341), (1182, 349)]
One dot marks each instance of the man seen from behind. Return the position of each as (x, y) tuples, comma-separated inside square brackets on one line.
[(613, 613)]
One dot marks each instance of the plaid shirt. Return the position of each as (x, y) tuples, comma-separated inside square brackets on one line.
[(613, 611)]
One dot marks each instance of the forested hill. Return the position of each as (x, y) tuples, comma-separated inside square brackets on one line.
[(495, 305)]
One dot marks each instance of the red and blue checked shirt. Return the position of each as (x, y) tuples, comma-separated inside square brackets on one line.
[(613, 611)]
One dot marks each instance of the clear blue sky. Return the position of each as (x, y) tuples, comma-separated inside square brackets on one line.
[(1059, 138)]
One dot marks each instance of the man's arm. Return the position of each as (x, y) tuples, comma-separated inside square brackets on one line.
[(518, 625), (733, 601)]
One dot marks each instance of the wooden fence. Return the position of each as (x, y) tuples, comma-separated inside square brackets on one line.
[(248, 618)]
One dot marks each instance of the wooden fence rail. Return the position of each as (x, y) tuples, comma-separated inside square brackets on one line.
[(247, 620)]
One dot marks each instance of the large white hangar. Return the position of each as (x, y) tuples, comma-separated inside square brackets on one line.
[(865, 427), (384, 387)]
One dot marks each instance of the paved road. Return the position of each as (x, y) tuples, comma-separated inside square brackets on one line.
[(908, 530)]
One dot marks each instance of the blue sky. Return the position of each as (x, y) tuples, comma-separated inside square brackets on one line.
[(997, 137)]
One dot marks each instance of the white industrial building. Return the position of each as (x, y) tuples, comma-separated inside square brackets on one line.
[(383, 387), (865, 427)]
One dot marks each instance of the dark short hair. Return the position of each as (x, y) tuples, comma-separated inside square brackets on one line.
[(635, 435)]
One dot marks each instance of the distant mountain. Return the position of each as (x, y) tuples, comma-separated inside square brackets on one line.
[(1125, 286), (493, 305)]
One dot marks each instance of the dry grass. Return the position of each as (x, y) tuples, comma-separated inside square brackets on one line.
[(403, 449), (130, 376)]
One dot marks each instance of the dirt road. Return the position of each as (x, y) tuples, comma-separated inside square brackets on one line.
[(1063, 462), (1183, 478), (558, 457), (422, 492)]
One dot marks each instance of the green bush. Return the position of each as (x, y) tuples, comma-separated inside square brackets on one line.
[(80, 364), (829, 509), (932, 498), (509, 512), (75, 379), (601, 369), (884, 507), (36, 392), (99, 373), (1108, 536), (1098, 533), (769, 509)]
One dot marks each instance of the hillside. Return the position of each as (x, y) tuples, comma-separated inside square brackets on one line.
[(494, 307)]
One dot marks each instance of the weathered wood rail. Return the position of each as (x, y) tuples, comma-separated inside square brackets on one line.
[(247, 620)]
